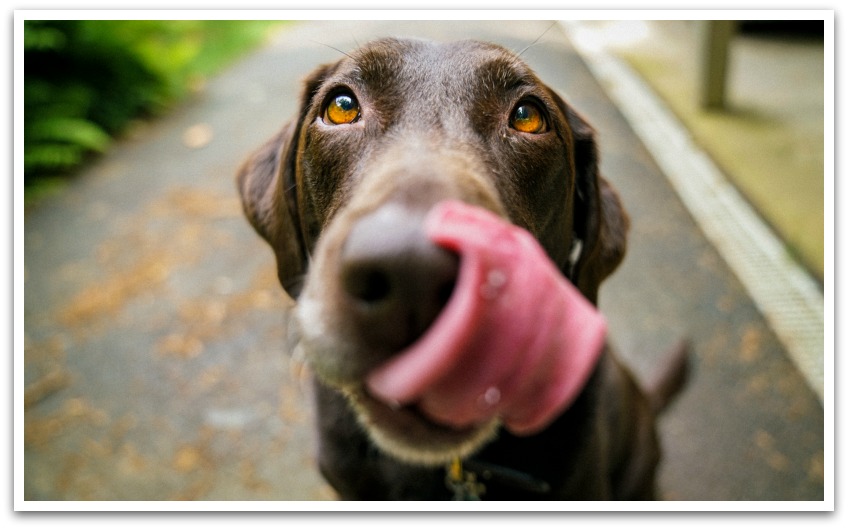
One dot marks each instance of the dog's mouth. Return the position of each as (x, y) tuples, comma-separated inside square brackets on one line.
[(514, 345), (407, 433)]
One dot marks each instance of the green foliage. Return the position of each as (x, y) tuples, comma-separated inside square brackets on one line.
[(85, 80)]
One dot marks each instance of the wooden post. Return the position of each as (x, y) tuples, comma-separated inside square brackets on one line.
[(716, 44)]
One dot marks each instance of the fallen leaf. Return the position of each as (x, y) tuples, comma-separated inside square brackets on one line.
[(198, 136)]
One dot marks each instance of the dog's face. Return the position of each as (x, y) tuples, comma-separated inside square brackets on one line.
[(382, 136)]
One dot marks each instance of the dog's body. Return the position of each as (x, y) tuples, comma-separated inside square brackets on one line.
[(381, 137)]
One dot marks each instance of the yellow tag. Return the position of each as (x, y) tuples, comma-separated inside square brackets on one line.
[(455, 470), (463, 484)]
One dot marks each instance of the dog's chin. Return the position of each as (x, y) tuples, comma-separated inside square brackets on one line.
[(406, 434)]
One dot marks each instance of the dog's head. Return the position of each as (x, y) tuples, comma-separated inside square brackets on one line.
[(383, 135)]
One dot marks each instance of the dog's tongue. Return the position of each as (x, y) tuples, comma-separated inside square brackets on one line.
[(516, 340)]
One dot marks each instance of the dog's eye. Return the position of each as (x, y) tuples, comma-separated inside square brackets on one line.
[(528, 118), (343, 109)]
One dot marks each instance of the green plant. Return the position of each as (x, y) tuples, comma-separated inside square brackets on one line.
[(85, 80), (80, 87)]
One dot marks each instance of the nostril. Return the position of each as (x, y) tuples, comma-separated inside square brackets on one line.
[(444, 292), (369, 284)]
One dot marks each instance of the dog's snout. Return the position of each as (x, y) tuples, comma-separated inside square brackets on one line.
[(395, 280)]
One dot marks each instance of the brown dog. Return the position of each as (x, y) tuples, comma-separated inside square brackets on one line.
[(382, 136)]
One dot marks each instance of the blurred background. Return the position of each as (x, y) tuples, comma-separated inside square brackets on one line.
[(154, 326), (759, 112)]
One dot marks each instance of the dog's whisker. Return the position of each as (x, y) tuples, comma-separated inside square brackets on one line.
[(332, 48), (536, 41), (299, 368)]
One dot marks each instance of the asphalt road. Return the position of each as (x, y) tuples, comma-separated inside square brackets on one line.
[(155, 366)]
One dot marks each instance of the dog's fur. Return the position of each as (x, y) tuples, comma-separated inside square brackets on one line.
[(435, 124)]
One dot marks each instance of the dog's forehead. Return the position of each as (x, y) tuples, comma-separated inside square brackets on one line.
[(426, 63)]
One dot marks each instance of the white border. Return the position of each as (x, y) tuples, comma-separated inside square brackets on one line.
[(20, 504)]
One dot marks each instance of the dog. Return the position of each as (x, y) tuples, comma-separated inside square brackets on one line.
[(381, 136)]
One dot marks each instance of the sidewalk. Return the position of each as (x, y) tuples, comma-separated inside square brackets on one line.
[(154, 362)]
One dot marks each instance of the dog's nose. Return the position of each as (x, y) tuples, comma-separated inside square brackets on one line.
[(396, 280)]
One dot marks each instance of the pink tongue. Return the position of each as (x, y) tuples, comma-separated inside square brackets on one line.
[(516, 340)]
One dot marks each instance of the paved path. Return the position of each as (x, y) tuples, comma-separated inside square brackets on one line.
[(154, 326)]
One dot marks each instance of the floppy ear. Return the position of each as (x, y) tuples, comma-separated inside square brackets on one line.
[(600, 221), (267, 182)]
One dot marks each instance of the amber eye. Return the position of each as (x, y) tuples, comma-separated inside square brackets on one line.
[(528, 118), (343, 109)]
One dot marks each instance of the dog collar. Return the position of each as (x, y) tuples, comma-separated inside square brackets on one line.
[(464, 481)]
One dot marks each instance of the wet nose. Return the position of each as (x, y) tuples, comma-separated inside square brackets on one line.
[(396, 281)]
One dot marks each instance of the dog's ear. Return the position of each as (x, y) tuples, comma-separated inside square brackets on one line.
[(600, 222), (267, 182)]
